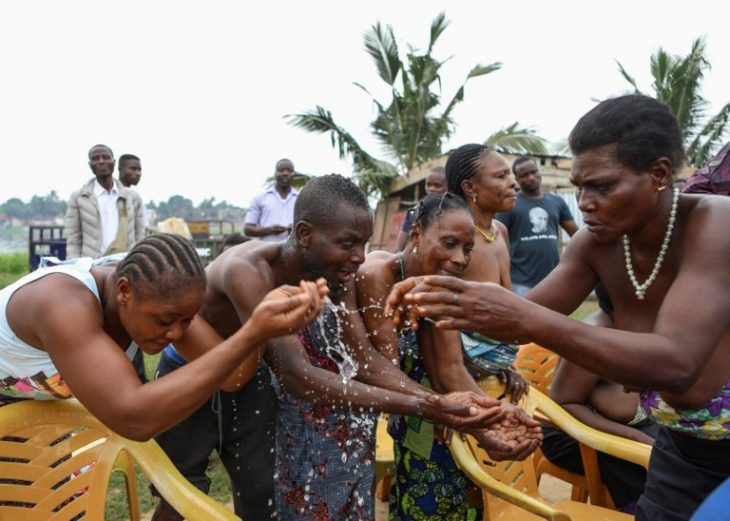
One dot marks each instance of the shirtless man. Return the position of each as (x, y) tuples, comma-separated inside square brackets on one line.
[(663, 258), (325, 422)]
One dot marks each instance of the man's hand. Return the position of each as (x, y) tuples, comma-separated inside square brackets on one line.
[(287, 309), (456, 304)]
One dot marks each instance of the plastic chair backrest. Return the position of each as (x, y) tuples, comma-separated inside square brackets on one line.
[(510, 485), (517, 475), (537, 366), (56, 460)]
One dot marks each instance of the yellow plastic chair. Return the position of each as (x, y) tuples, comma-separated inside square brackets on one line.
[(537, 365), (384, 457), (56, 460), (510, 488)]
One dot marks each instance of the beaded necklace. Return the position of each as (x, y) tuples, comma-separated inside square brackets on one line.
[(640, 289)]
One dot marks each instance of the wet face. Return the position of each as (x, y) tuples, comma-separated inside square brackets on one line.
[(130, 172), (153, 321), (284, 174), (336, 250), (101, 162), (493, 185), (614, 198), (528, 176), (444, 248), (436, 183)]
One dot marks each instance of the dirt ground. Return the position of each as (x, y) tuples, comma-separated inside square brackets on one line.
[(550, 488)]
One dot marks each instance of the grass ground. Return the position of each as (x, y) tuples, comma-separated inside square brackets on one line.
[(116, 501)]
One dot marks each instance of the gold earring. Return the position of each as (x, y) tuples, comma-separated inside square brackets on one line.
[(415, 249), (661, 188), (474, 197)]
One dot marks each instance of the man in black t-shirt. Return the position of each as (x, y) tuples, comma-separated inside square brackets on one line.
[(533, 228)]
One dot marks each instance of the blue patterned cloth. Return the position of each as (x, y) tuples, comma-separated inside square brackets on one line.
[(484, 356), (325, 457)]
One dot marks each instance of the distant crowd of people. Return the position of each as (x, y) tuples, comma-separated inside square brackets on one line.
[(283, 351)]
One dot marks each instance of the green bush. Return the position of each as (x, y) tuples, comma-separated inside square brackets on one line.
[(16, 263), (12, 267)]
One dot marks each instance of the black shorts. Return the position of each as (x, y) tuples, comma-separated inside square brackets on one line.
[(241, 427), (683, 471)]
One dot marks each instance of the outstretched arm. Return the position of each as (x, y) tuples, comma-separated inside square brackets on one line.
[(101, 377), (290, 362), (680, 347), (373, 339), (442, 359)]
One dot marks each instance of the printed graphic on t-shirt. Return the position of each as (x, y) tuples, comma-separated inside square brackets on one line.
[(539, 220)]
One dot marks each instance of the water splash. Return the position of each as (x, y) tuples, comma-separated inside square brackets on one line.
[(335, 348)]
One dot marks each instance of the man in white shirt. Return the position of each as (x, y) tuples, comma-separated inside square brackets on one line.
[(271, 213), (102, 217)]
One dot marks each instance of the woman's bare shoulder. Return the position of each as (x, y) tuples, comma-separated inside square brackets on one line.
[(377, 261)]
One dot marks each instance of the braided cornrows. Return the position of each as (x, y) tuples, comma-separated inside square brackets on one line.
[(164, 261), (462, 164)]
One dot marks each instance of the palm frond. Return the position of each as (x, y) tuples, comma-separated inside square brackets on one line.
[(320, 121), (381, 46), (408, 126), (298, 180), (677, 82), (478, 70), (515, 140), (438, 26), (709, 138), (481, 70), (628, 77)]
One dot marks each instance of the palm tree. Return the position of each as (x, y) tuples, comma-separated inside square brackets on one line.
[(409, 127), (678, 82), (298, 180)]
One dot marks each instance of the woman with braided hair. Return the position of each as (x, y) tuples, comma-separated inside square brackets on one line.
[(72, 329), (427, 484), (482, 177)]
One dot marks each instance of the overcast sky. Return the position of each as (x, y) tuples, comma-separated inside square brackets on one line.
[(198, 89)]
